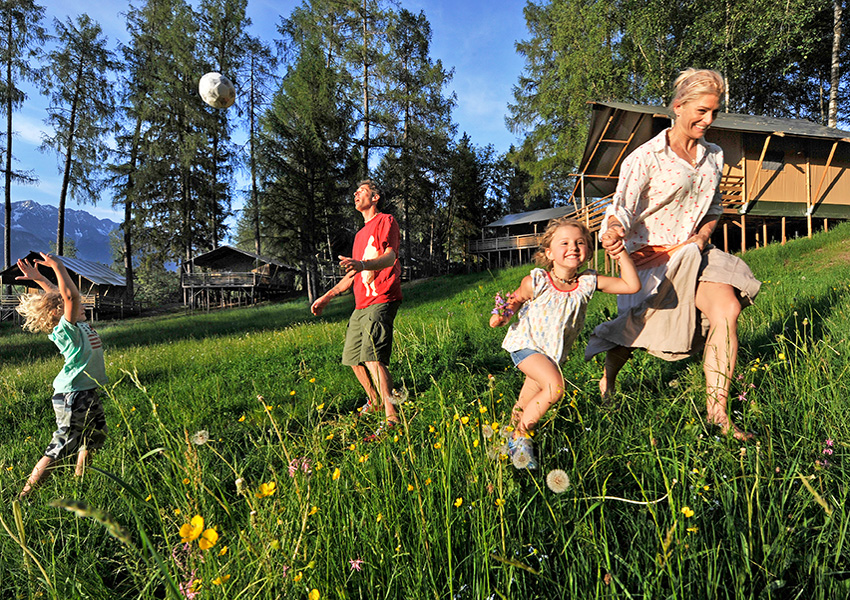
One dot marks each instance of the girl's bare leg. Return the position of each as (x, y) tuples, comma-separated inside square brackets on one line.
[(544, 385)]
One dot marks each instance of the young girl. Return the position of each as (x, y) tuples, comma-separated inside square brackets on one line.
[(80, 421), (552, 303)]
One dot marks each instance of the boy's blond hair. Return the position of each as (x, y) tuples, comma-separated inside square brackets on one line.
[(540, 257), (41, 312)]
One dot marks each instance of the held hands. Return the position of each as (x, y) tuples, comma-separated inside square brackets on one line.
[(612, 240)]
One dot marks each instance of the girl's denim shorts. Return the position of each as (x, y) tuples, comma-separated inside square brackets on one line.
[(521, 355)]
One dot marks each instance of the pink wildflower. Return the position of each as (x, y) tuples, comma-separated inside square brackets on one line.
[(355, 564)]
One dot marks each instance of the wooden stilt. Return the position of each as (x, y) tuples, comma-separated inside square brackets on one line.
[(825, 226), (726, 237), (783, 231), (764, 232), (743, 234)]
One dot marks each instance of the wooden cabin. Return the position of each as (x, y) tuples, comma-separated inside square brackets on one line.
[(103, 290), (229, 276), (781, 177)]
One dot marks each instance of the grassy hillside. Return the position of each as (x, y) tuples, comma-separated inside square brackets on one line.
[(244, 417)]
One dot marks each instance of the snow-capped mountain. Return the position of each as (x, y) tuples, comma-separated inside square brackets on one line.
[(34, 228)]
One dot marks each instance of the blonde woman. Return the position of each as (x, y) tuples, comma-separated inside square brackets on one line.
[(665, 208)]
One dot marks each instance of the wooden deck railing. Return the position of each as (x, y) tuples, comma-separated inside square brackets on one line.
[(221, 280)]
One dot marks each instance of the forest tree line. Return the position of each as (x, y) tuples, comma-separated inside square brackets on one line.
[(349, 90)]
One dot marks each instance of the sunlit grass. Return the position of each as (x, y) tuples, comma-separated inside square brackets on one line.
[(244, 419)]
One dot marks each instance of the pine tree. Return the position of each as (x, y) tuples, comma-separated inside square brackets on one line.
[(80, 112)]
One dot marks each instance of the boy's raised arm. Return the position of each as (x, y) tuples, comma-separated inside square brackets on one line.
[(69, 291), (31, 273)]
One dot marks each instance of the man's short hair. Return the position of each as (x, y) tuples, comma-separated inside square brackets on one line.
[(374, 187)]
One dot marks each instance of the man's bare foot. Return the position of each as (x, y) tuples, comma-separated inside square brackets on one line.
[(729, 428)]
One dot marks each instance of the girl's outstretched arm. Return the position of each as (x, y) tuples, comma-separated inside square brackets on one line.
[(523, 294), (627, 283)]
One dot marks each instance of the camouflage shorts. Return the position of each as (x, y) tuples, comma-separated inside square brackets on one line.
[(79, 420)]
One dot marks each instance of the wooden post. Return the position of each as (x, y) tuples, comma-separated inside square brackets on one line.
[(764, 232), (825, 226), (809, 193), (726, 238), (743, 233), (783, 231)]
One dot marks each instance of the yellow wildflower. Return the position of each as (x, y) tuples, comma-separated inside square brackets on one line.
[(380, 516), (208, 539), (266, 489), (185, 481), (474, 443), (428, 481), (223, 551), (242, 418), (336, 474), (330, 436), (191, 531), (500, 502), (314, 594), (464, 420), (321, 406), (458, 502), (221, 579), (298, 577), (313, 511), (482, 409), (292, 393), (410, 487), (687, 511)]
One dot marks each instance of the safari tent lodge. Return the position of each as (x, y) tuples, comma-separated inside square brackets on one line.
[(781, 178)]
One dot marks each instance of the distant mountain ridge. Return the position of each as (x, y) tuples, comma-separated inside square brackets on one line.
[(34, 228)]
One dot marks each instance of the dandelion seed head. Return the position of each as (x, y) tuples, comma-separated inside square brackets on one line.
[(558, 481), (201, 437), (520, 460)]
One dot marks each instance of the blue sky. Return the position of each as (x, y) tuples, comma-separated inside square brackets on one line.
[(475, 37)]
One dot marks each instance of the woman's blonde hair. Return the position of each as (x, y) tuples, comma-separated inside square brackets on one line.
[(540, 257), (41, 312), (694, 83)]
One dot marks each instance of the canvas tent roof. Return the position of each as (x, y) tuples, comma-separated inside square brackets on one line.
[(228, 257), (93, 271), (532, 216)]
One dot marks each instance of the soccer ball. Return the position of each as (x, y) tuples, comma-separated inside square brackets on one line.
[(216, 90)]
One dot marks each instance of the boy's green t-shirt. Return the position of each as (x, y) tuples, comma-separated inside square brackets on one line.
[(84, 367)]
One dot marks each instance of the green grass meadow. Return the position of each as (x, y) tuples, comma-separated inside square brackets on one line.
[(244, 417)]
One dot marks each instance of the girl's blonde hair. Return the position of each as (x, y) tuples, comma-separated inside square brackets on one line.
[(693, 83), (41, 312), (540, 257)]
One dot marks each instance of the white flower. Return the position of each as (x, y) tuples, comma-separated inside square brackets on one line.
[(487, 431), (558, 481)]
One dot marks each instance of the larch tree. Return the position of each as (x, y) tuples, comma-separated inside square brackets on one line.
[(20, 44), (80, 112), (223, 39), (418, 122), (307, 162)]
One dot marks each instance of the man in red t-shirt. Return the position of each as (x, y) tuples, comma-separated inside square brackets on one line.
[(374, 273)]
